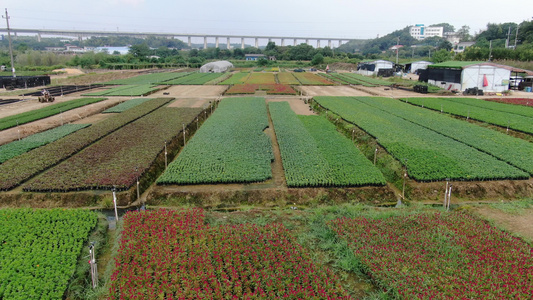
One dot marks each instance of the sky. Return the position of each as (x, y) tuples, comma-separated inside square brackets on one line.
[(346, 19)]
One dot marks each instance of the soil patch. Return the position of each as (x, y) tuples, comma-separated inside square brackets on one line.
[(521, 224), (337, 90), (190, 91), (471, 190), (299, 106)]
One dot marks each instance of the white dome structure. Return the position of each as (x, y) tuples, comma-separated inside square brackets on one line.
[(216, 67)]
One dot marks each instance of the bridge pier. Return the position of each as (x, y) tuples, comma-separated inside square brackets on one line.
[(282, 42), (295, 42), (329, 44), (39, 37), (228, 46), (307, 41), (256, 42), (242, 43), (216, 42), (189, 41), (318, 43), (205, 42), (340, 42)]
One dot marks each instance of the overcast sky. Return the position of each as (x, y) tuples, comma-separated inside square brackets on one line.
[(313, 18)]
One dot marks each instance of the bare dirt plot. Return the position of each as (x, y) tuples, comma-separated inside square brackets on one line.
[(190, 102), (189, 91), (521, 224), (338, 90), (70, 116), (297, 105)]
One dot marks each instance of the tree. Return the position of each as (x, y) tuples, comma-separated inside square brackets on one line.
[(317, 59), (441, 56), (140, 51), (270, 46), (262, 62), (464, 33)]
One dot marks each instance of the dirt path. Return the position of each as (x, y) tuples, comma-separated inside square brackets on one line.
[(192, 91), (521, 224), (278, 174), (297, 105)]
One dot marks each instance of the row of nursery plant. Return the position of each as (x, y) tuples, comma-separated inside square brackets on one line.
[(119, 158), (236, 78), (126, 90), (515, 151), (172, 255), (194, 79), (439, 256), (126, 105), (24, 145), (315, 154), (229, 147), (514, 117), (271, 89), (39, 250), (426, 154), (287, 78), (19, 169), (47, 111), (347, 79), (311, 79), (154, 78)]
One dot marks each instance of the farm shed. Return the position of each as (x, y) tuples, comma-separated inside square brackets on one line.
[(462, 75), (414, 66), (254, 56), (216, 67), (378, 67)]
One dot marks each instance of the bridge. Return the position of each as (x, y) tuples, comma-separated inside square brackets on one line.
[(80, 34)]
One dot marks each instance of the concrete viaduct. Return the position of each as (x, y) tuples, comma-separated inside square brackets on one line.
[(80, 34)]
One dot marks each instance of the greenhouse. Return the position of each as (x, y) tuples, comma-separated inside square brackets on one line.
[(216, 67)]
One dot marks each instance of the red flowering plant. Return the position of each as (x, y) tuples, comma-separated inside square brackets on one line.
[(168, 254), (440, 256)]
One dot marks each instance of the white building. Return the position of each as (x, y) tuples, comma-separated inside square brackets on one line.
[(370, 68), (420, 32), (460, 76)]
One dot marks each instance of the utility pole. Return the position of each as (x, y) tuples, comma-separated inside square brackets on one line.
[(490, 50), (397, 48), (10, 45), (508, 38), (516, 37)]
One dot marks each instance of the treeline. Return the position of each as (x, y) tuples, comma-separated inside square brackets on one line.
[(495, 43)]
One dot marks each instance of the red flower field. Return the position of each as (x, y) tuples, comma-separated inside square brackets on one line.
[(168, 254)]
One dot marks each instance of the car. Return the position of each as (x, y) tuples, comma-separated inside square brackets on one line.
[(312, 70), (514, 82), (299, 70)]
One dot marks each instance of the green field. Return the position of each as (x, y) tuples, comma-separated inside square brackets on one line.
[(489, 112), (126, 90), (39, 250), (315, 154), (514, 151), (427, 155), (230, 147), (155, 78)]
